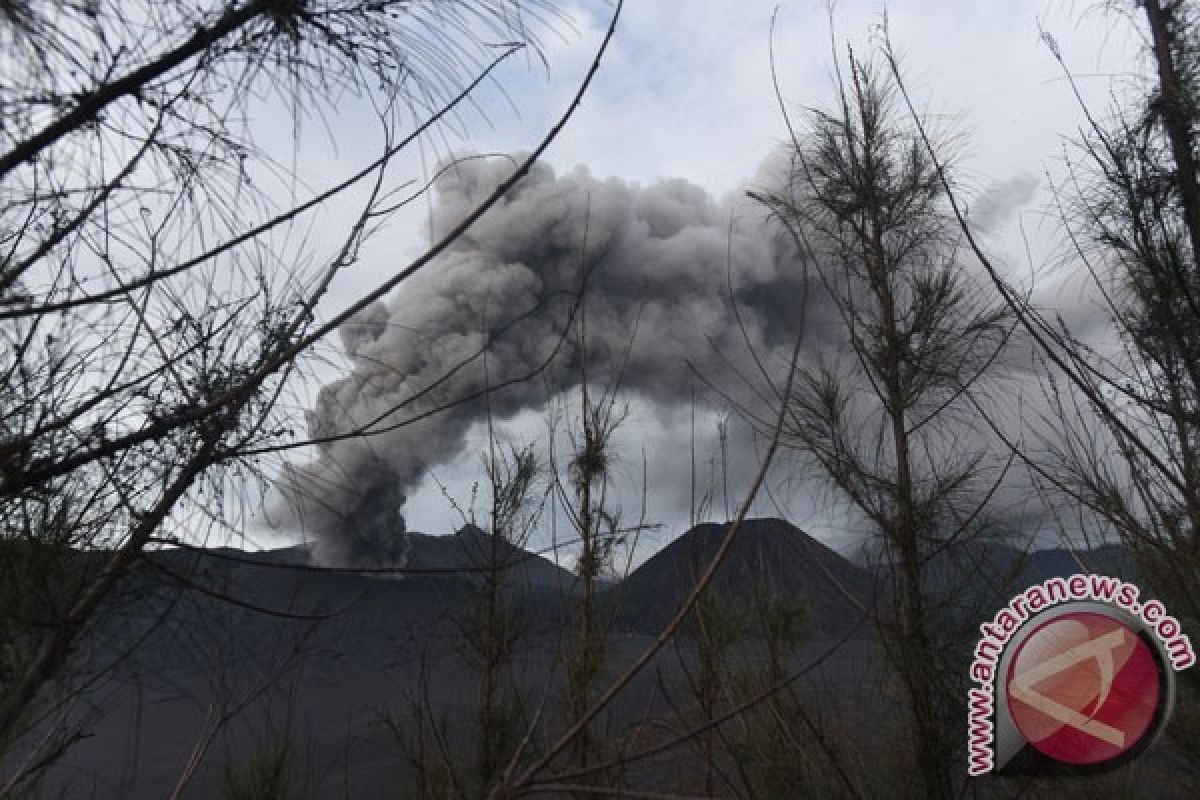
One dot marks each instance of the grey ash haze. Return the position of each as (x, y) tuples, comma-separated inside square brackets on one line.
[(658, 263), (678, 284)]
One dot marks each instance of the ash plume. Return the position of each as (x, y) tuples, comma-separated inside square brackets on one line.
[(677, 283), (658, 264)]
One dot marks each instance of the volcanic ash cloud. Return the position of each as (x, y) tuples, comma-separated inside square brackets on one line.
[(658, 262)]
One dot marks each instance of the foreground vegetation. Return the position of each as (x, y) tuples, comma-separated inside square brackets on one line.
[(149, 338)]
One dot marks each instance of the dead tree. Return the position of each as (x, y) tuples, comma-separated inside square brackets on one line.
[(156, 296), (881, 415), (1122, 440)]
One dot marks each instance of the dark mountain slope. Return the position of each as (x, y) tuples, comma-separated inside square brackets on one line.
[(770, 558), (470, 550)]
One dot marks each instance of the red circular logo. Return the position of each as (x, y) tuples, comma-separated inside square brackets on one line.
[(1083, 688)]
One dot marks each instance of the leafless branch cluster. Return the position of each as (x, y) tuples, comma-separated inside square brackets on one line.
[(157, 286)]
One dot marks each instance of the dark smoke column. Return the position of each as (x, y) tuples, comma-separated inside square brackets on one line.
[(659, 262)]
